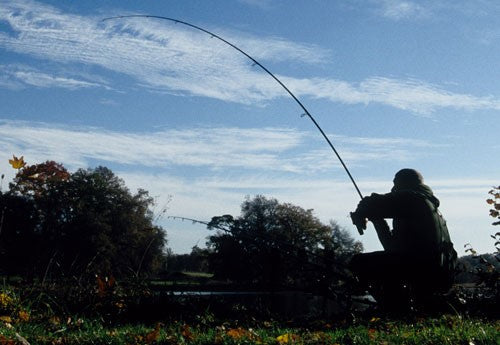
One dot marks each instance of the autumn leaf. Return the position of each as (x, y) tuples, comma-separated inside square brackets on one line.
[(187, 333), (236, 333), (318, 337), (287, 338), (6, 318), (23, 315), (55, 320), (372, 333), (153, 335), (105, 286), (17, 163), (239, 333), (6, 341)]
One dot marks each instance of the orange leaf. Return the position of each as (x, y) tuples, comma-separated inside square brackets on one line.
[(187, 333), (17, 163), (23, 315), (105, 286), (237, 333), (6, 341), (153, 335)]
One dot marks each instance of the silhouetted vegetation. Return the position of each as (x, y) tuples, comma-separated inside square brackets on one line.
[(58, 224), (196, 261), (278, 245)]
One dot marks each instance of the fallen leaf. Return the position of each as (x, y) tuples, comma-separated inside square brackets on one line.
[(23, 315), (287, 338), (187, 333), (6, 341), (153, 335), (6, 318), (237, 333)]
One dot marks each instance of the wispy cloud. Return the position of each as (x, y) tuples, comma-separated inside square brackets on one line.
[(399, 10), (259, 149), (412, 95), (262, 4), (402, 9), (173, 58), (20, 76)]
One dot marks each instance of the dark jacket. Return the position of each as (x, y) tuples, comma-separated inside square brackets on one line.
[(419, 231)]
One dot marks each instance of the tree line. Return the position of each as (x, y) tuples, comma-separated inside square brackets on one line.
[(59, 224)]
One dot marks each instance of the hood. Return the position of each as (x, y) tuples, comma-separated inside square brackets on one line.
[(421, 189)]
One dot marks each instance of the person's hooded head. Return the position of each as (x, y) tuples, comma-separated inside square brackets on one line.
[(407, 179), (412, 180)]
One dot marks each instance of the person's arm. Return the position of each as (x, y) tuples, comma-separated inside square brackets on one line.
[(384, 233), (376, 207)]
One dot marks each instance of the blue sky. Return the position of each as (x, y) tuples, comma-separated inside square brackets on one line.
[(170, 109)]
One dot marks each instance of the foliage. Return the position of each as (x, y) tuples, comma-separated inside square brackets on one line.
[(494, 201), (196, 261), (75, 330), (482, 270), (62, 326), (55, 223), (277, 244)]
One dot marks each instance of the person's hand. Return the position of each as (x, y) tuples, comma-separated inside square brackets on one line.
[(359, 221)]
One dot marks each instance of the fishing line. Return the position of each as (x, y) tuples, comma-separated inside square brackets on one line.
[(255, 62)]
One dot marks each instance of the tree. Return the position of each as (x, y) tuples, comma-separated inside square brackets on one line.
[(71, 224), (196, 261), (277, 244)]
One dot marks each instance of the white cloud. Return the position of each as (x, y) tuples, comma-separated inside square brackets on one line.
[(266, 149), (175, 58), (19, 76), (412, 95), (262, 4), (402, 9)]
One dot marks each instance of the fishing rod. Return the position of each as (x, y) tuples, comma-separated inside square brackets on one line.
[(306, 112)]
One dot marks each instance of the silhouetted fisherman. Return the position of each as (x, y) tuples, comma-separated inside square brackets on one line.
[(418, 258)]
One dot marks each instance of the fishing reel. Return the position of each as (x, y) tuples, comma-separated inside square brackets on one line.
[(359, 221)]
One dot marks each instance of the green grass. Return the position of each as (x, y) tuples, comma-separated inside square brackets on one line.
[(42, 318), (443, 330)]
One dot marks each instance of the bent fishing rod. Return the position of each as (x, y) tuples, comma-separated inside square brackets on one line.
[(255, 62)]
